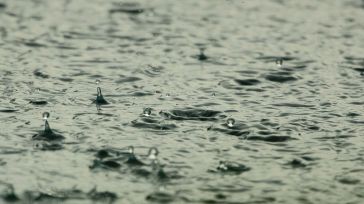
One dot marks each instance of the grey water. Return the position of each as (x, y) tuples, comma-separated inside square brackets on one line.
[(157, 101)]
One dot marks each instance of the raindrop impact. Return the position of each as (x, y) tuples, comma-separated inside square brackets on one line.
[(279, 62), (133, 160), (202, 56), (153, 153), (45, 115), (100, 98), (131, 150), (147, 112), (47, 133), (230, 122), (157, 168)]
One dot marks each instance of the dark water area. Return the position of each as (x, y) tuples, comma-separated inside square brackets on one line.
[(209, 101)]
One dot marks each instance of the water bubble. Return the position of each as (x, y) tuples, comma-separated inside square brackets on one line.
[(153, 153), (279, 62), (98, 82), (230, 122), (45, 115), (147, 111)]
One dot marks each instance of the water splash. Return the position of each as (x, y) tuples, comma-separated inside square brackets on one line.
[(230, 122), (47, 133), (202, 56), (232, 167), (279, 62), (45, 115), (153, 153), (157, 167), (100, 98), (132, 160), (47, 128), (147, 112)]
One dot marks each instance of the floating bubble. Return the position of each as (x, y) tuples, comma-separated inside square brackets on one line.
[(147, 111), (45, 115), (230, 122)]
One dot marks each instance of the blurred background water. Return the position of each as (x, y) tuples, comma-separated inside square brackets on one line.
[(249, 101)]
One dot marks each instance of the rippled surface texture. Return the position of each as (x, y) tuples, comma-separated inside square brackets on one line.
[(298, 131)]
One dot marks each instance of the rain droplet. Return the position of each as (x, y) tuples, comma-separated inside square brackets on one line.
[(279, 62), (45, 115), (147, 111), (153, 153), (131, 150), (230, 122)]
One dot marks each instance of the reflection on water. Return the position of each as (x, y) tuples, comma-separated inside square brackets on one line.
[(196, 101)]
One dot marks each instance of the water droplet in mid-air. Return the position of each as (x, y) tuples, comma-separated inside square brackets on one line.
[(45, 115), (153, 153), (279, 62), (131, 150), (230, 122), (47, 133), (147, 111)]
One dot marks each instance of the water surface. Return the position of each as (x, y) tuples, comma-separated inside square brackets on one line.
[(297, 136)]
